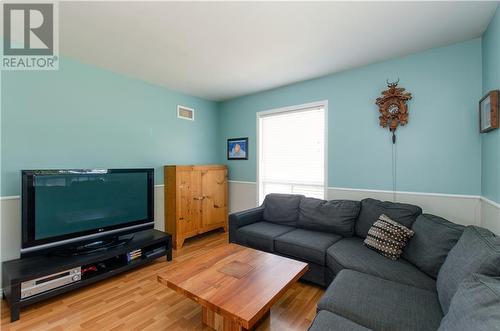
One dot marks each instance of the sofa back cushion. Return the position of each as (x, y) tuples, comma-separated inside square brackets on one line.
[(371, 210), (477, 251), (433, 239), (282, 208), (335, 216), (475, 306)]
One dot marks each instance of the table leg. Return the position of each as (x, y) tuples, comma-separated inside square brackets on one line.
[(220, 323), (14, 312)]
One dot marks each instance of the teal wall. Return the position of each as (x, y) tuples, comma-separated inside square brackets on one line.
[(490, 142), (84, 117), (438, 151)]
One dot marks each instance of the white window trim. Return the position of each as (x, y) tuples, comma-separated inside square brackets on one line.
[(324, 105)]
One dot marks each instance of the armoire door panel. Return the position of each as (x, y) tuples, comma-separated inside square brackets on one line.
[(188, 208), (214, 191)]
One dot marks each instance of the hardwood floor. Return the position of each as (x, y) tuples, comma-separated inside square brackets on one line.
[(136, 301)]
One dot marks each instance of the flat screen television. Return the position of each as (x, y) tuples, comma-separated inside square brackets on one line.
[(69, 205)]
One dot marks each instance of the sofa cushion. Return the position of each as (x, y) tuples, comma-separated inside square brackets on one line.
[(306, 245), (475, 306), (381, 304), (433, 239), (327, 321), (282, 208), (477, 251), (388, 237), (335, 216), (350, 253), (261, 235), (371, 209), (242, 218)]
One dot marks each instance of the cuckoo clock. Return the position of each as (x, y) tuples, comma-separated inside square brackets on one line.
[(393, 107)]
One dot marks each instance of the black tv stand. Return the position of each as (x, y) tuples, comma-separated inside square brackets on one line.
[(93, 246), (100, 264)]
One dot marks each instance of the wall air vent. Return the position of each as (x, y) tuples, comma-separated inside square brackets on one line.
[(185, 113)]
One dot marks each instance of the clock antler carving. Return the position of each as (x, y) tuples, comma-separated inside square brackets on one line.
[(393, 84), (393, 106)]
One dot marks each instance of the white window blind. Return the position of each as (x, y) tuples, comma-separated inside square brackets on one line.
[(292, 152)]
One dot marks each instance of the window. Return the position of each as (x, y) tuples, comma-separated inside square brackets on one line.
[(292, 151)]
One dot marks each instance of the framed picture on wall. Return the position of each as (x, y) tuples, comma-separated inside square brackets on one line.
[(488, 112), (237, 149)]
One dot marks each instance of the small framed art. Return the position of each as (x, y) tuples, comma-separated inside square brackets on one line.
[(237, 149), (488, 112)]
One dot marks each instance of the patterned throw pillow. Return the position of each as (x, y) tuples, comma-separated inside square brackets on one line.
[(388, 237)]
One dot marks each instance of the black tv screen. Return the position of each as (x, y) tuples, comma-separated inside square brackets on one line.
[(65, 204)]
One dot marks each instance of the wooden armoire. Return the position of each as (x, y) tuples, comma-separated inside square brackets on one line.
[(195, 200)]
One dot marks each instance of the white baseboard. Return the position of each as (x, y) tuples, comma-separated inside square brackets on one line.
[(242, 195), (462, 209), (490, 215), (407, 193), (10, 219), (10, 227), (159, 214)]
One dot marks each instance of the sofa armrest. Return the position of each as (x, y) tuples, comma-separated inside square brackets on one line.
[(242, 218)]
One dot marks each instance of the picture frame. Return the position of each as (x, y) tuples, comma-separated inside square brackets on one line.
[(237, 149), (488, 112)]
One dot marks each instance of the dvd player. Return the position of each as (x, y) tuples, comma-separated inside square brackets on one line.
[(46, 283)]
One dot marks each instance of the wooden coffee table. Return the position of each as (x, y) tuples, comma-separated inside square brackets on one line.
[(235, 285)]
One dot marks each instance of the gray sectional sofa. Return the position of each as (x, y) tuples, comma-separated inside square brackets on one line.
[(439, 283)]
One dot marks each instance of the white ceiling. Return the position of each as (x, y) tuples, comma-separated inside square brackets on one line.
[(222, 50)]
